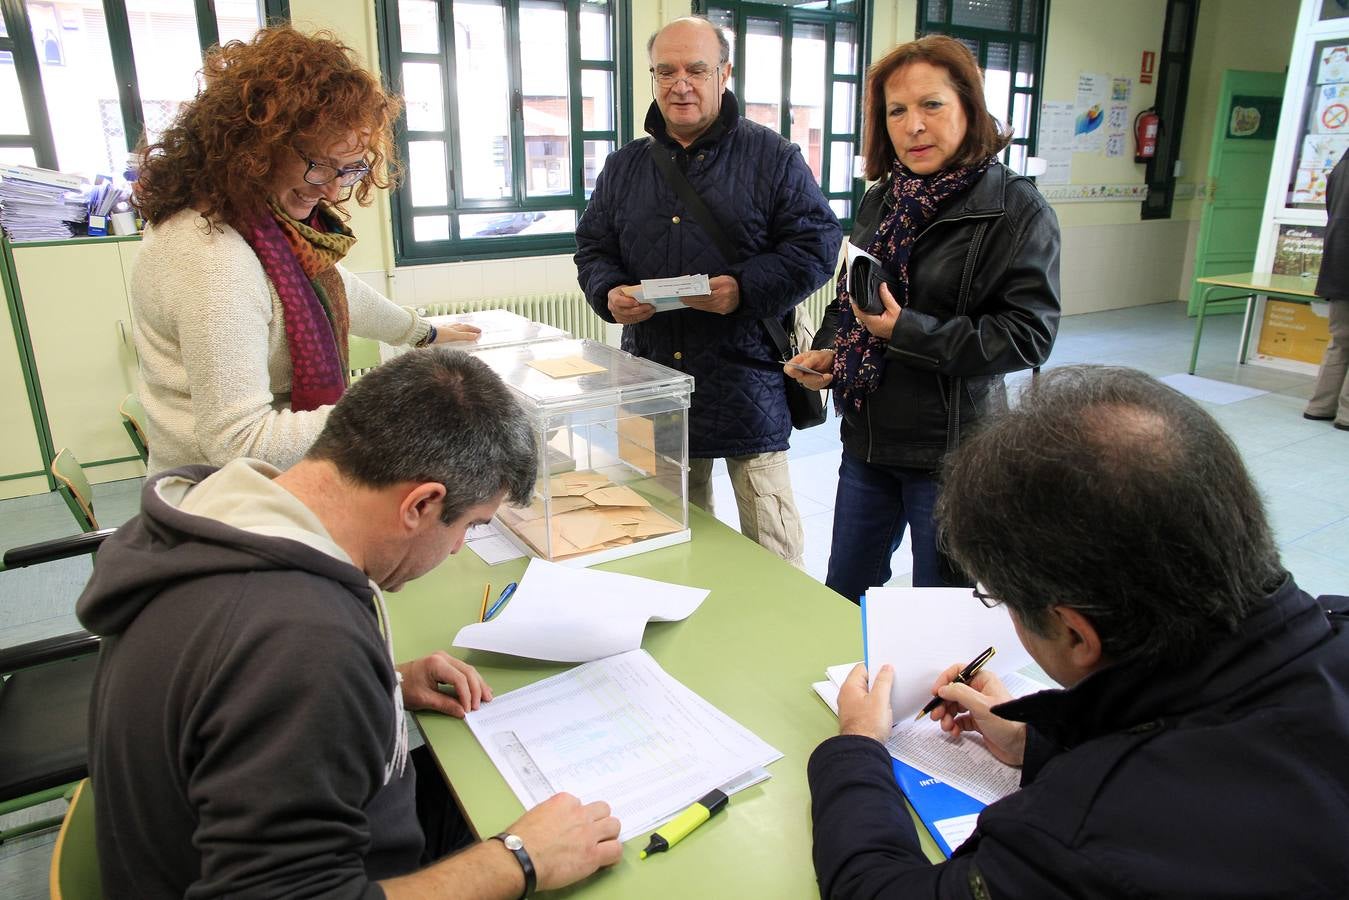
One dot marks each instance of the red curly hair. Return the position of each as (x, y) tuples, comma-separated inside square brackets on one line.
[(264, 100)]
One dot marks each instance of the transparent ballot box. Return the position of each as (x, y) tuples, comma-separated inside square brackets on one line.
[(500, 328), (613, 440)]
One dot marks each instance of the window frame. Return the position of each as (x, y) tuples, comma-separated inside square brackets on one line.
[(20, 42), (407, 250), (1014, 39), (787, 16)]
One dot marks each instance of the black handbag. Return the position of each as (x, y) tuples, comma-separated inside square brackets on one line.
[(865, 277), (805, 405)]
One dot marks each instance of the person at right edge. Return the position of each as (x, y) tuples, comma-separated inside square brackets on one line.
[(1330, 397), (973, 250)]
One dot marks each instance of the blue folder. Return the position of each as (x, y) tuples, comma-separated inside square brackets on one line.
[(933, 800)]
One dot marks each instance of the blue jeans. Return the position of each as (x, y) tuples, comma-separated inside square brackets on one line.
[(871, 510)]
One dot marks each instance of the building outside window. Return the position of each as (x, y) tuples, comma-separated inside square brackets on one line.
[(62, 62), (798, 70), (512, 108), (1008, 39)]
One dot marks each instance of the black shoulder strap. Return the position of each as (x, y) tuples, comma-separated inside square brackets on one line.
[(701, 214), (704, 217)]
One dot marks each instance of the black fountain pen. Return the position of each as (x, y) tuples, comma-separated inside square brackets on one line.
[(963, 678)]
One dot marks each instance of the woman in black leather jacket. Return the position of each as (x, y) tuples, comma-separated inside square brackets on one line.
[(971, 265)]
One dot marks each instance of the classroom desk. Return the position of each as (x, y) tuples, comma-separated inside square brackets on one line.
[(1292, 288), (752, 649)]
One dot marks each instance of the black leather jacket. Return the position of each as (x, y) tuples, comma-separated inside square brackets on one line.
[(1003, 237)]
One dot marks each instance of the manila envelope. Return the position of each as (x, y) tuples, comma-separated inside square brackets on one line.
[(616, 495), (576, 484), (566, 367)]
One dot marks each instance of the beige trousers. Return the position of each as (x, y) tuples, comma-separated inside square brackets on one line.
[(763, 494), (1330, 398)]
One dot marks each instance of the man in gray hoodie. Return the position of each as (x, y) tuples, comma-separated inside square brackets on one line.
[(247, 728)]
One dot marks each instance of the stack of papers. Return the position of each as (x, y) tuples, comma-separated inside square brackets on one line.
[(619, 730), (39, 204), (576, 615), (589, 514), (490, 545)]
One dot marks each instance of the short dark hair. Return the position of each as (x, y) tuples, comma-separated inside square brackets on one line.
[(722, 41), (433, 415), (985, 136), (1106, 491)]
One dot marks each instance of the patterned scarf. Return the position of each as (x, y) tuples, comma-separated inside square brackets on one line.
[(300, 259), (859, 356)]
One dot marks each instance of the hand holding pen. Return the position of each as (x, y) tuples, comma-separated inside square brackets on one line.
[(966, 706)]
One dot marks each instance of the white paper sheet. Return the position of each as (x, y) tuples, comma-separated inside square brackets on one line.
[(921, 631), (577, 615), (668, 293), (490, 545), (619, 730)]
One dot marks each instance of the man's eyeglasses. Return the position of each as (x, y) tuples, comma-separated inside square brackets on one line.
[(986, 599), (320, 173), (694, 80)]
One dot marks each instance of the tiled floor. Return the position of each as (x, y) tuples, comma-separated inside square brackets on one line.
[(1302, 468)]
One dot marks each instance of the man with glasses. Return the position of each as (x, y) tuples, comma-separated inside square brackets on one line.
[(1198, 747), (766, 237)]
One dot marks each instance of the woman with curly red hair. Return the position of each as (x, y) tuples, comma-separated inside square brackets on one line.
[(242, 310)]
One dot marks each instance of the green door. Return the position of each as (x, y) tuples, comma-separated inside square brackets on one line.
[(1238, 177)]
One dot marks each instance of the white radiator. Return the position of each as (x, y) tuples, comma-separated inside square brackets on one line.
[(568, 311)]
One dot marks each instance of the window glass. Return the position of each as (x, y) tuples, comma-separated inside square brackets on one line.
[(845, 107), (426, 173), (595, 42), (993, 14), (483, 96), (419, 26), (845, 49), (809, 73), (165, 44), (237, 20), (596, 152), (430, 228), (1025, 64), (13, 119), (424, 101), (79, 86), (558, 221), (547, 100), (998, 80), (597, 100), (840, 165), (762, 101)]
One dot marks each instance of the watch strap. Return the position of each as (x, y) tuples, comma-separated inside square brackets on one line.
[(522, 857)]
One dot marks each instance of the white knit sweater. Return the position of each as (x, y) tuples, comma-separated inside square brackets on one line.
[(215, 368)]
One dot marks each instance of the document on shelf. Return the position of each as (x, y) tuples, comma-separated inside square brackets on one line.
[(577, 615), (620, 730), (921, 631)]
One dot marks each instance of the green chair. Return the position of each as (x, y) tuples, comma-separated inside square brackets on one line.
[(362, 355), (133, 420), (74, 872), (74, 488)]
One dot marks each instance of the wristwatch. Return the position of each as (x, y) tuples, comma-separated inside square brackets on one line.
[(517, 846)]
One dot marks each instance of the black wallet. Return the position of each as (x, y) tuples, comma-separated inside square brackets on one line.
[(865, 277)]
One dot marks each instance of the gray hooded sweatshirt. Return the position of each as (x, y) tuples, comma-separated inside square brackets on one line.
[(241, 725)]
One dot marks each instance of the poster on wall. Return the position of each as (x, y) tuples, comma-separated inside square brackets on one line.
[(1093, 91), (1333, 65), (1253, 118), (1056, 142), (1331, 114), (1297, 250)]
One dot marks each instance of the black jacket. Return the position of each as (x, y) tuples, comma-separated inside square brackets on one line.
[(786, 241), (241, 718), (1223, 779), (1333, 282), (935, 354)]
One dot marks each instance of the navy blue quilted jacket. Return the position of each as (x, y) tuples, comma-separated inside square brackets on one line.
[(786, 241)]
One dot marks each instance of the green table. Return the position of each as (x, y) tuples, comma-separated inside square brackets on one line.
[(752, 649), (1292, 288)]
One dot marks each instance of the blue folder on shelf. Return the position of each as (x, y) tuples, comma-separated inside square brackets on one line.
[(943, 809)]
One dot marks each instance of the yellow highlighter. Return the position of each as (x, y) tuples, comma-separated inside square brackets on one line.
[(681, 825)]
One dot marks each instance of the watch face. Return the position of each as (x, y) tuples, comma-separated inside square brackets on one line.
[(513, 843)]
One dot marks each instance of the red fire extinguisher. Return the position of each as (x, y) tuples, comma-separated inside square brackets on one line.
[(1146, 124)]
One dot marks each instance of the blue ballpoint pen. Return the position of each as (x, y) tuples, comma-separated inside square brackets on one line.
[(500, 601)]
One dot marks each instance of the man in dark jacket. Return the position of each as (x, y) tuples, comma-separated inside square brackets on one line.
[(1198, 748), (784, 239), (247, 734)]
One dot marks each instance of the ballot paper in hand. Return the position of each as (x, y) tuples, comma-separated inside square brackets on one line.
[(921, 631), (577, 615), (668, 293)]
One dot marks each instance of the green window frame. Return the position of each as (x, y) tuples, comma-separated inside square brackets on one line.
[(1006, 36), (843, 27), (441, 211), (18, 42)]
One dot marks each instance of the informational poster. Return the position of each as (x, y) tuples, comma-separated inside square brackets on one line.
[(1120, 90), (1333, 65), (1293, 331), (1331, 115), (1116, 124), (1093, 93), (1056, 142), (1298, 250)]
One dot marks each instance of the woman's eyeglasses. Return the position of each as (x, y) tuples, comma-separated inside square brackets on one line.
[(320, 173)]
